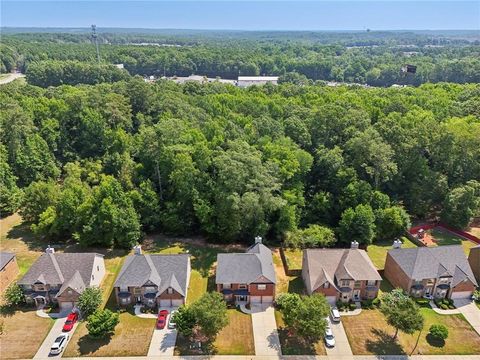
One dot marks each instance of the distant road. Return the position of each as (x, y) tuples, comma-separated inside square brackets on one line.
[(10, 78)]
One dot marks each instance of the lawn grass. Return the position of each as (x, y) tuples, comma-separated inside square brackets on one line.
[(295, 345), (444, 237), (22, 333), (378, 251), (294, 258), (286, 283), (369, 334)]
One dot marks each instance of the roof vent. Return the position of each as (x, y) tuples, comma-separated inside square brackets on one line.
[(137, 249), (354, 244), (397, 244), (50, 250), (258, 239)]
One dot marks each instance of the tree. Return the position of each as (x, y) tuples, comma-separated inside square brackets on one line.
[(305, 315), (312, 236), (357, 224), (391, 222), (461, 204), (438, 331), (185, 320), (38, 196), (210, 312), (89, 301), (10, 194), (102, 323), (14, 295), (401, 312)]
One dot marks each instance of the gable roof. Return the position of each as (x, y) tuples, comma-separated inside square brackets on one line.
[(333, 265), (5, 258), (429, 262), (75, 283), (62, 268), (245, 268), (162, 270)]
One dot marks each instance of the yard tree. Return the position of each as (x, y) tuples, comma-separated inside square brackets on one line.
[(438, 331), (185, 320), (14, 295), (391, 222), (401, 312), (38, 196), (102, 323), (357, 224), (461, 205), (312, 236), (89, 301), (210, 312)]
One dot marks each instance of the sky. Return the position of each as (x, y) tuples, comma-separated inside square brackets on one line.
[(245, 15)]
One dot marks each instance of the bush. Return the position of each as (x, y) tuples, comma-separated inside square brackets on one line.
[(352, 306), (438, 331), (13, 295), (422, 302), (89, 301), (451, 307), (102, 323), (377, 302), (444, 306)]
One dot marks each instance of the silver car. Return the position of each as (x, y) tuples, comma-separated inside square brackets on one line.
[(59, 344), (171, 322), (329, 338)]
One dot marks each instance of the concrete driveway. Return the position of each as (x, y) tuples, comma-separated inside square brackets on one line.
[(342, 346), (265, 332), (163, 340), (44, 350), (470, 311)]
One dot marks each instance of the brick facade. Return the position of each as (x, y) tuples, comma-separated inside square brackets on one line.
[(140, 292), (474, 261), (395, 275), (8, 274)]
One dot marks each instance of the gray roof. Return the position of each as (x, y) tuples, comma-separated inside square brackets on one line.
[(161, 270), (5, 258), (333, 265), (245, 268), (67, 269), (429, 262)]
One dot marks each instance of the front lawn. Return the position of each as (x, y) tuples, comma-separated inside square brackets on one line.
[(378, 251), (21, 333), (295, 345), (369, 334), (444, 237)]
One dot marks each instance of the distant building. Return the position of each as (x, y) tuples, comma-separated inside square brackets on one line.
[(244, 81), (8, 269), (120, 66)]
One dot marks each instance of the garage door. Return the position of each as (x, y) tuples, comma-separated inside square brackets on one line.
[(332, 300), (267, 299), (255, 299), (67, 305), (166, 302), (461, 295), (178, 302)]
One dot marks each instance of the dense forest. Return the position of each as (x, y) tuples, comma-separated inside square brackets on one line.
[(373, 58), (105, 163)]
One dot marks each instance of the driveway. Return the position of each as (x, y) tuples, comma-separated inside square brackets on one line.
[(265, 332), (44, 350), (163, 340), (470, 311), (342, 346)]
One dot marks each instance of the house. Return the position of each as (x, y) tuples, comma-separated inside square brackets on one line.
[(153, 279), (440, 272), (340, 274), (244, 81), (474, 261), (8, 269), (62, 277), (247, 277)]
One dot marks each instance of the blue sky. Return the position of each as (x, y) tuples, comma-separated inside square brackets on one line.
[(245, 15)]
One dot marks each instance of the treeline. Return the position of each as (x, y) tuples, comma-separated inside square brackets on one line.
[(377, 65), (311, 164)]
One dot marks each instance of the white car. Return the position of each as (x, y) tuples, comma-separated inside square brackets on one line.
[(171, 323), (335, 315), (329, 338), (59, 344)]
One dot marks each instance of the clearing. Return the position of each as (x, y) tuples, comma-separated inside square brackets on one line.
[(378, 251)]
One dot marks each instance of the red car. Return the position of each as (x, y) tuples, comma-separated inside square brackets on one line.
[(162, 319), (71, 320)]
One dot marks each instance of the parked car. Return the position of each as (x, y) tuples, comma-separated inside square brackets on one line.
[(329, 338), (335, 314), (71, 320), (171, 322), (162, 319), (59, 344)]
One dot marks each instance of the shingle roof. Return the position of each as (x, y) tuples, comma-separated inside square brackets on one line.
[(337, 264), (61, 268), (245, 268), (429, 262), (5, 258), (161, 270), (75, 283)]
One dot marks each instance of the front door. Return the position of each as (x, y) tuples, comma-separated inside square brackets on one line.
[(356, 295), (242, 298)]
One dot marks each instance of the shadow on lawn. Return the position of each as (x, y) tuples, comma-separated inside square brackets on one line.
[(88, 345), (294, 345), (435, 342), (22, 231), (383, 344)]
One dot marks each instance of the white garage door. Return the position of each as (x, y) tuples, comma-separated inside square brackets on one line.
[(267, 299), (166, 302), (332, 300), (64, 306), (255, 299), (461, 295), (178, 302)]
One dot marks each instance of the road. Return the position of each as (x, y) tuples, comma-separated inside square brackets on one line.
[(11, 77), (292, 357)]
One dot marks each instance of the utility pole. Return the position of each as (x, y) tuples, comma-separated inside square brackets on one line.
[(95, 40)]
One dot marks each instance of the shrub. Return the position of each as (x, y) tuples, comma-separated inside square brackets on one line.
[(102, 323), (376, 302), (438, 331), (352, 306), (451, 307), (444, 306), (13, 295), (339, 304), (90, 301)]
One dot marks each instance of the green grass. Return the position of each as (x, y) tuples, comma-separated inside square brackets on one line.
[(444, 237), (294, 258), (286, 283), (378, 251)]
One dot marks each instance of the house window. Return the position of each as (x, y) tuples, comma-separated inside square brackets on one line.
[(169, 291), (137, 291), (371, 282), (150, 289), (93, 277), (123, 289), (69, 292), (124, 301), (262, 287), (357, 284), (98, 268), (326, 285), (242, 286), (39, 287), (226, 286), (345, 283)]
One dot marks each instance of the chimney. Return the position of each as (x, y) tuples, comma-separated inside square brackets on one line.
[(397, 244), (354, 244), (258, 239), (50, 250), (137, 249)]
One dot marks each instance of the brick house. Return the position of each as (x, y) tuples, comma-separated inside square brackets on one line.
[(8, 269), (440, 272), (474, 261), (340, 274), (247, 277), (62, 277), (153, 279)]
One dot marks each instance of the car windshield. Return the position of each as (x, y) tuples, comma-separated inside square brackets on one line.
[(68, 322), (58, 339), (329, 337)]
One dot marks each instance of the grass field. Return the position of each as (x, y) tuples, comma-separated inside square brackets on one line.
[(286, 283), (378, 251), (294, 258), (369, 334), (444, 237)]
